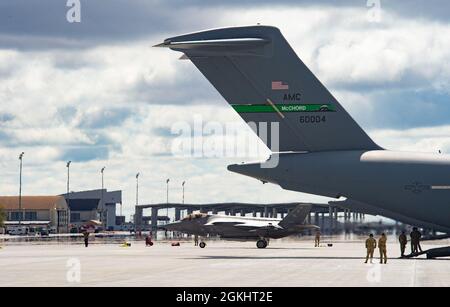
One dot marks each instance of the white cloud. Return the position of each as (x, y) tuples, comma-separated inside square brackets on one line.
[(344, 48), (423, 139), (61, 97)]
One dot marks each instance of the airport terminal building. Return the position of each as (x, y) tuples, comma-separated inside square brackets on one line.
[(36, 211), (63, 213)]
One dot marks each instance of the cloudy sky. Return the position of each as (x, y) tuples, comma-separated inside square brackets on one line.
[(96, 93)]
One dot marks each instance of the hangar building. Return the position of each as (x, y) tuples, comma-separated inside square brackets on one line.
[(94, 205)]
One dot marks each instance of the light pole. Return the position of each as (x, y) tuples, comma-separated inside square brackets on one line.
[(184, 182), (167, 197), (137, 189), (182, 185), (68, 177), (68, 188), (20, 188), (102, 205)]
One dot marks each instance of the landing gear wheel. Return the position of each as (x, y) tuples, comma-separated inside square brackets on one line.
[(202, 245), (261, 244)]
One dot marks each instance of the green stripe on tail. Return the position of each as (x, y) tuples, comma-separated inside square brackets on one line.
[(265, 108)]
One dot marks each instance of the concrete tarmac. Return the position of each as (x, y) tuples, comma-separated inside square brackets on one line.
[(221, 263)]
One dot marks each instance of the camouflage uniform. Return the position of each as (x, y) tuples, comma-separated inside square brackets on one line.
[(403, 242), (382, 247), (415, 241), (317, 239), (86, 238), (371, 244)]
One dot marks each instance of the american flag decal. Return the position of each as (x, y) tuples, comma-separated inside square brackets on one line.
[(278, 85)]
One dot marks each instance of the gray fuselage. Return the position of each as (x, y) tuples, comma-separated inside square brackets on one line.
[(235, 227), (411, 187)]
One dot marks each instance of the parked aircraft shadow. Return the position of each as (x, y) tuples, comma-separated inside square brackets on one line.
[(440, 259), (269, 248), (375, 261), (272, 257)]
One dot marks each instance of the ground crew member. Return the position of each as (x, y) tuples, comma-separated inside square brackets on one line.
[(371, 244), (86, 238), (317, 240), (382, 247), (148, 240), (196, 240), (419, 235), (415, 240), (403, 242)]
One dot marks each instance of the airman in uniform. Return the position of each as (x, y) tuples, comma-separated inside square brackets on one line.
[(148, 240), (317, 239), (415, 240), (86, 238), (371, 244), (196, 240), (403, 242), (382, 247)]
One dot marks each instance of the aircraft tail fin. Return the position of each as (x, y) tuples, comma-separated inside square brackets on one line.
[(296, 217), (258, 73)]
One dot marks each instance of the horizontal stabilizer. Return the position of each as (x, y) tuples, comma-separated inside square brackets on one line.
[(219, 47)]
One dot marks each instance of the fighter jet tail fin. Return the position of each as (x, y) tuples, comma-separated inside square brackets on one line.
[(296, 217), (258, 73)]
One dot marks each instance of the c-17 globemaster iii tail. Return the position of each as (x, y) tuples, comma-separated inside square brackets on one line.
[(258, 73)]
